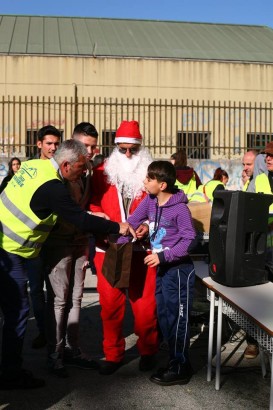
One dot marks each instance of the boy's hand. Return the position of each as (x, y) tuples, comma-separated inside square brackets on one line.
[(142, 231), (152, 260)]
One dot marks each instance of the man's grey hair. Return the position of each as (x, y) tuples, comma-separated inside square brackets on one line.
[(70, 150)]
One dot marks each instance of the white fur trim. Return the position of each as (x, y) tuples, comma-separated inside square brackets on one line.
[(127, 140)]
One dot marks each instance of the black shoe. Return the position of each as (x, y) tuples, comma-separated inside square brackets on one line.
[(39, 341), (147, 362), (60, 372), (25, 380), (80, 360), (171, 376), (55, 366), (108, 367)]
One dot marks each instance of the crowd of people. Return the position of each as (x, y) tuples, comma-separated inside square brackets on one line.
[(58, 213)]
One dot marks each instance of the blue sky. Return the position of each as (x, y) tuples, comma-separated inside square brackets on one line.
[(211, 11)]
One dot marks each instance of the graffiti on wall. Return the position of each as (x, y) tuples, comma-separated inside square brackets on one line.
[(204, 168), (3, 170)]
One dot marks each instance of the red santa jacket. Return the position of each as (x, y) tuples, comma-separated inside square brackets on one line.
[(106, 198)]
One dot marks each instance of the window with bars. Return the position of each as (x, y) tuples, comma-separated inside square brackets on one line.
[(108, 144), (258, 140), (196, 144)]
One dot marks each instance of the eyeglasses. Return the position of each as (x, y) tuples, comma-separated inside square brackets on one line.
[(133, 150)]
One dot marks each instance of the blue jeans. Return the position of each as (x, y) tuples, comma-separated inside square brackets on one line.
[(174, 296), (15, 307), (35, 274)]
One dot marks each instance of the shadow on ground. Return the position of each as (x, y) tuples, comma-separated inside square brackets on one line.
[(242, 384)]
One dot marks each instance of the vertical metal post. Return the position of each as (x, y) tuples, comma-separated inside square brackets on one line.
[(75, 104), (211, 330), (219, 343)]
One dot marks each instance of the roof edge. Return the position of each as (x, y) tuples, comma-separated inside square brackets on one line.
[(132, 19)]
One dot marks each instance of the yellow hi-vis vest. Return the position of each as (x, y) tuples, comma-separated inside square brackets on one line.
[(262, 185), (21, 231), (188, 188), (245, 187), (204, 193)]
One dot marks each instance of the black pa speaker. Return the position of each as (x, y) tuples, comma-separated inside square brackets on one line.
[(237, 238)]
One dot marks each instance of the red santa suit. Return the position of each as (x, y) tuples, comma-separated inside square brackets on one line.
[(106, 197)]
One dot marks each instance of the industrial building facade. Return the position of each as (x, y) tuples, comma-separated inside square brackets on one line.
[(205, 87)]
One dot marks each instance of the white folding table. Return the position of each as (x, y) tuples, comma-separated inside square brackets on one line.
[(249, 307)]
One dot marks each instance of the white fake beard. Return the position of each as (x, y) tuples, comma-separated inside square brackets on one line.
[(128, 174)]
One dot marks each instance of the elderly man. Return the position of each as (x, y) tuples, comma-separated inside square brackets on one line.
[(65, 255), (248, 162), (24, 227), (118, 188)]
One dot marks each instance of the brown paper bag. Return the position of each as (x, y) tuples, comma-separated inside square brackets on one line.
[(116, 267)]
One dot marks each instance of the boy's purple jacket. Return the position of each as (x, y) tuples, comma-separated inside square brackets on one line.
[(170, 226)]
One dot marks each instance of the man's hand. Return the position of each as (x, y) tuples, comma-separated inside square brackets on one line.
[(152, 260), (142, 231), (126, 229)]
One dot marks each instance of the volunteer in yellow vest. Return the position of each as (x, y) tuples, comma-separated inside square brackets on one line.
[(205, 192), (248, 162), (264, 184), (29, 206), (186, 178), (48, 140)]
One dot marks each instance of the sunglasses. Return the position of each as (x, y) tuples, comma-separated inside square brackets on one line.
[(131, 150)]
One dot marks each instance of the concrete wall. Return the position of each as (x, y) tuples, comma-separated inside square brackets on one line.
[(135, 78)]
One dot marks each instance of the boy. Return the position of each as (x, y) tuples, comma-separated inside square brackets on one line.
[(171, 235)]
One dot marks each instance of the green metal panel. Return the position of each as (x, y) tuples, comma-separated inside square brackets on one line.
[(83, 37), (135, 38), (20, 35), (67, 37), (51, 36), (36, 36), (6, 30)]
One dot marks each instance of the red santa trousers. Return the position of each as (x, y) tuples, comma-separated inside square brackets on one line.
[(141, 293)]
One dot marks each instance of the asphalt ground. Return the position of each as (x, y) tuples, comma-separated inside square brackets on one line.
[(242, 384)]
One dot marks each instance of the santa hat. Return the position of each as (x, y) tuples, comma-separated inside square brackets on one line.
[(128, 132)]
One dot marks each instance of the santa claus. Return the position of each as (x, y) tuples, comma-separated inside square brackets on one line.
[(117, 190)]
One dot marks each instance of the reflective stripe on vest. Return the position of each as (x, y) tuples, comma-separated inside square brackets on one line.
[(20, 215), (16, 238)]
